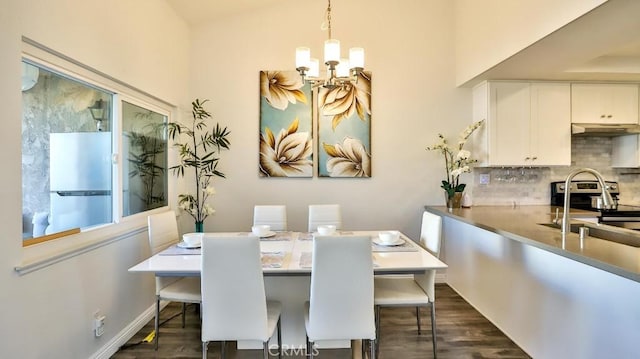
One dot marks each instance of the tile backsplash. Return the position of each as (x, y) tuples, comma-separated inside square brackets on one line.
[(530, 185)]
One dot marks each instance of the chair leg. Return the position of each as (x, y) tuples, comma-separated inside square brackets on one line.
[(433, 329), (157, 322), (418, 320), (376, 343), (309, 349), (372, 350), (223, 346), (184, 313), (265, 350), (204, 349), (279, 328)]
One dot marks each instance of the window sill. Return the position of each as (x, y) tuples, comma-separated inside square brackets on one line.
[(42, 255)]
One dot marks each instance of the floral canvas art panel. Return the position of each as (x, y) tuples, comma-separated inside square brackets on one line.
[(286, 145), (344, 129)]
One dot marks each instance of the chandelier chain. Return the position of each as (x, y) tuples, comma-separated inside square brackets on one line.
[(329, 17)]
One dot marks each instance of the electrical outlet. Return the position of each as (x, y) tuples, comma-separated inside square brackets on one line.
[(485, 178), (98, 323)]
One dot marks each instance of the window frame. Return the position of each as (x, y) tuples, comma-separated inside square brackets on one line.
[(121, 160), (62, 244)]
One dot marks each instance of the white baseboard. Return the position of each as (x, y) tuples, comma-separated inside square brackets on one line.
[(125, 334)]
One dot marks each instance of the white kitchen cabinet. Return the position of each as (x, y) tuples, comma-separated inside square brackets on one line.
[(527, 123), (604, 103)]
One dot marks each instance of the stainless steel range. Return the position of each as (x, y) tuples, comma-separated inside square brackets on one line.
[(586, 195)]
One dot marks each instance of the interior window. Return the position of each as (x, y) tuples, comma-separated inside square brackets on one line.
[(144, 143), (66, 153)]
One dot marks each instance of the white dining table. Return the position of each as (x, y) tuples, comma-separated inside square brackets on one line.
[(287, 271)]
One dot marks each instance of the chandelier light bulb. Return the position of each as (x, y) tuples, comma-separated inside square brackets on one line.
[(356, 57), (314, 68), (331, 51), (303, 57), (342, 69)]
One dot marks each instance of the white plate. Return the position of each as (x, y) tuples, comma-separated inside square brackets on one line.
[(186, 246), (269, 234), (397, 242)]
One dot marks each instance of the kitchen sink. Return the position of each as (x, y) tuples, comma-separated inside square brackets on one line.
[(608, 233)]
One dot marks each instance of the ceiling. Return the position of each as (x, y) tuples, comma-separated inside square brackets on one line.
[(602, 45), (197, 12)]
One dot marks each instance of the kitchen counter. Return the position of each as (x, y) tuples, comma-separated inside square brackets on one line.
[(522, 224), (553, 300)]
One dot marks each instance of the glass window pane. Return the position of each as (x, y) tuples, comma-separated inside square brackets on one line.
[(66, 153), (144, 144)]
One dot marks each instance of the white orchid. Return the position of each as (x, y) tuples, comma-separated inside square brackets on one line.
[(463, 155), (457, 164), (208, 209)]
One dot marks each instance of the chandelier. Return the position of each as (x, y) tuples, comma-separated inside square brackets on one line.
[(340, 71)]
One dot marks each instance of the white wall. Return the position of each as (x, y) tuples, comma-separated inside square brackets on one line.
[(490, 31), (47, 313), (410, 50)]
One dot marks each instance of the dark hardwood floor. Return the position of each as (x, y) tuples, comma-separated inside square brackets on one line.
[(462, 333)]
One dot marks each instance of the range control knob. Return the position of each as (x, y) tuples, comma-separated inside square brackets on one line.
[(613, 187)]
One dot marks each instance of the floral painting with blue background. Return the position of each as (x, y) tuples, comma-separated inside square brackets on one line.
[(344, 129), (286, 145)]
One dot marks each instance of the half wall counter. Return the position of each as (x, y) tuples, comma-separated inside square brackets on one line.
[(555, 299)]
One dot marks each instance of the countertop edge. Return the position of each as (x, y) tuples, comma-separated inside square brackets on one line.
[(549, 248)]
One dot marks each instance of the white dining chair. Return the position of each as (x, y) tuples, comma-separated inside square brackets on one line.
[(163, 232), (341, 298), (234, 304), (273, 215), (323, 214), (418, 290)]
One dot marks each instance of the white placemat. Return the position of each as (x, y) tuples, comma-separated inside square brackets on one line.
[(280, 236), (174, 250), (272, 259)]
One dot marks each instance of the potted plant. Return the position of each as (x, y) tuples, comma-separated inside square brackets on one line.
[(199, 153), (457, 161)]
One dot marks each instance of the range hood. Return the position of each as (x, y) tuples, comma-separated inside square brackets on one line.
[(601, 129)]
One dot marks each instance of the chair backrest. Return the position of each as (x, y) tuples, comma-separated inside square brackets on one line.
[(275, 216), (431, 233), (431, 240), (341, 302), (234, 304), (163, 230), (322, 214)]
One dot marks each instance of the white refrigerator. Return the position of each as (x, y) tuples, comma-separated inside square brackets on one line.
[(80, 180)]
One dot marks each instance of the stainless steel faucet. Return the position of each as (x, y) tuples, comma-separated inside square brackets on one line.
[(607, 200)]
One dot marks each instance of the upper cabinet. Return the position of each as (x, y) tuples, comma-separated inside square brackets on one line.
[(527, 123), (604, 103)]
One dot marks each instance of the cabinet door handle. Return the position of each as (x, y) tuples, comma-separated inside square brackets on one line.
[(527, 158), (534, 158), (603, 116), (609, 116)]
